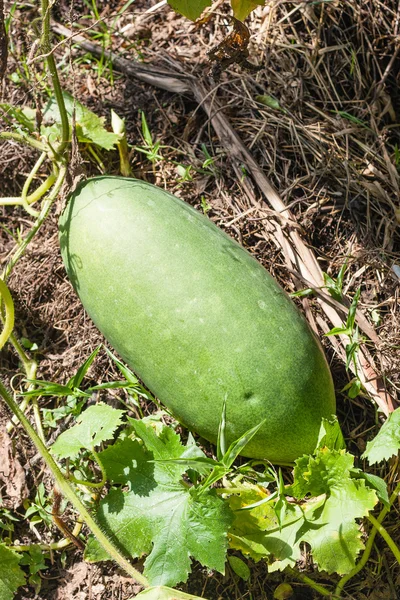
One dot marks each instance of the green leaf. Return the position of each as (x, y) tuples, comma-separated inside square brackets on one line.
[(256, 532), (77, 379), (11, 575), (354, 386), (352, 119), (339, 331), (242, 8), (221, 439), (192, 9), (161, 515), (376, 483), (170, 525), (335, 288), (315, 475), (49, 388), (334, 535), (327, 521), (302, 293), (239, 567), (272, 102), (164, 446), (95, 425), (330, 435), (126, 372), (387, 442), (238, 445), (90, 127), (165, 593), (126, 462), (351, 317), (25, 116)]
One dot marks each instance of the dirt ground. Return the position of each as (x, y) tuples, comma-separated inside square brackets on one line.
[(320, 116)]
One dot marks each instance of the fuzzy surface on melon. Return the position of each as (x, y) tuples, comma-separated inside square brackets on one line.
[(196, 317)]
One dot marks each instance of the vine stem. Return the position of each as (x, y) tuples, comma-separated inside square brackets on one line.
[(93, 484), (388, 539), (368, 546), (310, 582), (23, 139), (47, 50), (69, 493), (64, 543), (38, 223), (5, 296)]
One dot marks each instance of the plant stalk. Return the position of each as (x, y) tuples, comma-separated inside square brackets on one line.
[(368, 546), (38, 223), (23, 139), (68, 492), (47, 50), (388, 539)]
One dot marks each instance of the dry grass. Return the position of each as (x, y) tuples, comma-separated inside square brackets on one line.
[(330, 149)]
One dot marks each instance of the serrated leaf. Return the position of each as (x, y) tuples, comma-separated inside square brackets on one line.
[(90, 127), (192, 9), (165, 444), (335, 537), (170, 525), (256, 533), (161, 516), (11, 574), (327, 522), (387, 442), (316, 475), (376, 483), (165, 593), (95, 425), (242, 8), (127, 462)]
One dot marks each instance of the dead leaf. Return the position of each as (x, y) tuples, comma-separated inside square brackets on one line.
[(11, 474)]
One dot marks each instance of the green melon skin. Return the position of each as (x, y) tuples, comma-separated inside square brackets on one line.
[(196, 317)]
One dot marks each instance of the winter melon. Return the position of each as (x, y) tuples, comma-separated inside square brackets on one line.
[(196, 317)]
